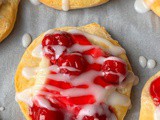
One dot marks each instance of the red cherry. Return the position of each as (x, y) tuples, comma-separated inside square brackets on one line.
[(63, 39), (115, 67), (80, 39), (73, 60), (94, 66), (96, 52), (111, 79), (49, 52), (101, 81), (39, 113), (155, 91)]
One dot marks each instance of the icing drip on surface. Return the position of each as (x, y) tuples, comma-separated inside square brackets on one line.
[(35, 2), (65, 5), (26, 40), (142, 61), (2, 109), (141, 7), (81, 76), (151, 63)]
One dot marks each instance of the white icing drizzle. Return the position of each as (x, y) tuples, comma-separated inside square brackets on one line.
[(26, 40), (157, 113), (80, 48), (141, 7), (44, 103), (114, 50), (90, 110), (37, 52), (151, 63), (29, 72), (57, 48), (35, 2), (65, 5), (25, 96)]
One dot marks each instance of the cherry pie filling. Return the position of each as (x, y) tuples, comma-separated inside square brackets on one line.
[(69, 92), (155, 91)]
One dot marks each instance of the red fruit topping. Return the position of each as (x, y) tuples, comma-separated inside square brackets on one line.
[(111, 67), (155, 91), (101, 81), (114, 66), (112, 79), (96, 52), (40, 113), (82, 100), (74, 61), (63, 39), (80, 39), (94, 66)]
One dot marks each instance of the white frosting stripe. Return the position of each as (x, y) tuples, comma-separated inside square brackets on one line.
[(37, 52)]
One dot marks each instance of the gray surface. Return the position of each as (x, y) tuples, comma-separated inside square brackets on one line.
[(139, 34)]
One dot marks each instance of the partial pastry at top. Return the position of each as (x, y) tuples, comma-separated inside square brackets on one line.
[(74, 73), (72, 4), (150, 99), (143, 6), (8, 13)]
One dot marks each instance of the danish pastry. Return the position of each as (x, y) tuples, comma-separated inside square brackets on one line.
[(8, 13), (74, 73), (143, 6), (72, 4), (150, 99)]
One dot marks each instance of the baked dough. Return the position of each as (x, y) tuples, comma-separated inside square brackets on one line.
[(8, 13), (154, 6), (73, 4), (22, 83), (147, 105)]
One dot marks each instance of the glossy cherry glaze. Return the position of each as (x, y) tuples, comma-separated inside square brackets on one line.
[(155, 91), (77, 61)]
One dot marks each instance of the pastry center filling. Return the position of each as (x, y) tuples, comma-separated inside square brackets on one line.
[(81, 83), (155, 94), (154, 91)]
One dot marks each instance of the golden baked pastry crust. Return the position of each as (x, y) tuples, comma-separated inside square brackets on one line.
[(73, 4), (147, 105), (8, 13), (28, 60), (155, 7)]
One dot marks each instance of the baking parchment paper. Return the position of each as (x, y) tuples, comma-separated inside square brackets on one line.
[(139, 34)]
